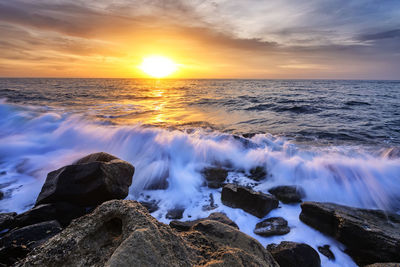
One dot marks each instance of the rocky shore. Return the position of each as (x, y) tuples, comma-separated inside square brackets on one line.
[(81, 219)]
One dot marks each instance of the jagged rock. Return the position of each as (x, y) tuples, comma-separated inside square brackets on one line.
[(122, 233), (175, 214), (326, 251), (288, 193), (216, 216), (272, 226), (258, 173), (63, 212), (215, 177), (6, 220), (255, 203), (94, 179), (151, 206), (369, 235), (291, 254), (18, 242)]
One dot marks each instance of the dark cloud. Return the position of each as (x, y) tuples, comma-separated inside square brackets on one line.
[(381, 35)]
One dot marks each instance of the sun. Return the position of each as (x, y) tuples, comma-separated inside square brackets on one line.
[(158, 66)]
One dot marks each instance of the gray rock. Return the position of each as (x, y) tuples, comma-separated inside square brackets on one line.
[(272, 226), (215, 177), (175, 214), (370, 236), (326, 251), (291, 254), (258, 173), (1, 195), (288, 193), (122, 233), (151, 206), (255, 203), (89, 182)]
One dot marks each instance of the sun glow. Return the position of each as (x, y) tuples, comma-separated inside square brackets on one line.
[(158, 66)]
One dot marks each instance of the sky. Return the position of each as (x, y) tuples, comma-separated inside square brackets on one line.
[(319, 39)]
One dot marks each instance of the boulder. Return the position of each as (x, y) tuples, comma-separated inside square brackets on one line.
[(175, 214), (18, 242), (258, 173), (63, 212), (92, 180), (123, 233), (272, 226), (6, 220), (288, 193), (216, 216), (215, 177), (291, 254), (370, 236), (326, 251), (255, 203)]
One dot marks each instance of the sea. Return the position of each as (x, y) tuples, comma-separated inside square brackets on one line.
[(337, 139)]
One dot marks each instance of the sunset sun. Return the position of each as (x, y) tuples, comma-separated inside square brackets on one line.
[(158, 66)]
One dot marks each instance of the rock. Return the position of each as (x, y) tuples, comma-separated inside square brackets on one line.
[(175, 214), (272, 226), (215, 177), (384, 264), (18, 242), (88, 183), (151, 206), (255, 203), (216, 216), (212, 204), (326, 251), (63, 212), (6, 220), (291, 254), (1, 195), (288, 193), (122, 233), (370, 236), (258, 173), (99, 156)]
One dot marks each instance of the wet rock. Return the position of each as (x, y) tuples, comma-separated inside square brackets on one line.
[(151, 206), (291, 254), (288, 193), (384, 264), (89, 182), (212, 204), (215, 177), (326, 251), (255, 203), (272, 226), (122, 233), (63, 212), (18, 242), (216, 216), (6, 220), (175, 214), (258, 173), (370, 236), (1, 195)]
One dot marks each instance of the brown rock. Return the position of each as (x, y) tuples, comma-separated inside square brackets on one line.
[(291, 254)]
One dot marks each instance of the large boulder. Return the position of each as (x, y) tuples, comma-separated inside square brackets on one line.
[(291, 254), (255, 203), (288, 193), (92, 180), (370, 236), (215, 177), (216, 216), (122, 233), (18, 242), (272, 226)]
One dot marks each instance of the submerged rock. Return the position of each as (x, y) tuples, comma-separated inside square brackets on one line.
[(1, 195), (272, 226), (211, 205), (92, 180), (288, 193), (255, 203), (216, 216), (17, 243), (6, 220), (258, 173), (326, 251), (291, 254), (175, 214), (122, 233), (215, 177), (63, 212), (369, 235)]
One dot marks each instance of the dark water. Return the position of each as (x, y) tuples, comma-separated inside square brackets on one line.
[(332, 112)]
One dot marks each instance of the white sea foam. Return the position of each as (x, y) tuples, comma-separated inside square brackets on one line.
[(33, 142)]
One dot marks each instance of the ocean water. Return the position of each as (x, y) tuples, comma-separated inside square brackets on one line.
[(339, 140)]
